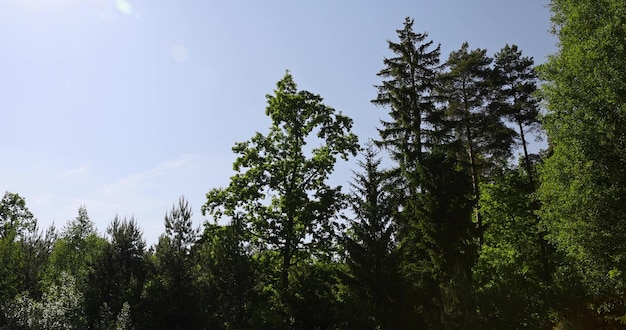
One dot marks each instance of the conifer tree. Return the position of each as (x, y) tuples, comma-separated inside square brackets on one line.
[(170, 294), (471, 114), (516, 84), (435, 232), (370, 243), (118, 274), (409, 79)]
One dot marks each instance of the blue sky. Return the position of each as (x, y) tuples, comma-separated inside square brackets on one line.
[(124, 105)]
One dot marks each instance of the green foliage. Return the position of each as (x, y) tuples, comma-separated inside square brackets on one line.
[(36, 250), (515, 99), (76, 250), (371, 249), (61, 307), (280, 192), (11, 265), (117, 275), (444, 237), (228, 275), (512, 288), (432, 194), (23, 250), (583, 190), (15, 216), (468, 87), (170, 296), (409, 79), (316, 303)]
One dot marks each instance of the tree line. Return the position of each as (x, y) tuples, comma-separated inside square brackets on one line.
[(464, 229)]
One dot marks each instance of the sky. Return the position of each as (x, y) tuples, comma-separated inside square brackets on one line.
[(122, 106)]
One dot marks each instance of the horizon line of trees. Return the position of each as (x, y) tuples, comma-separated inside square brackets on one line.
[(456, 233)]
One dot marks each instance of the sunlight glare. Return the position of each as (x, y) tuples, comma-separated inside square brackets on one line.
[(124, 7)]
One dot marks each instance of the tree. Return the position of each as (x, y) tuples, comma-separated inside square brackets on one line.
[(467, 86), (516, 99), (409, 80), (171, 295), (445, 240), (280, 190), (37, 247), (583, 190), (15, 216), (512, 287), (408, 89), (228, 276), (16, 222), (76, 249), (11, 266), (118, 274), (371, 247), (435, 231), (60, 307)]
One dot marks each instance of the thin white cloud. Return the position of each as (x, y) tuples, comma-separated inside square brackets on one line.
[(147, 177), (55, 186), (79, 171)]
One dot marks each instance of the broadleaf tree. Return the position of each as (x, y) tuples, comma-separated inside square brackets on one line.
[(583, 182), (280, 191)]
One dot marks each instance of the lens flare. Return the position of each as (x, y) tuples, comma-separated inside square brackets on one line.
[(124, 7)]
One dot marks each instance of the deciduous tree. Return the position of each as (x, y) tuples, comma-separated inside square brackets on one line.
[(281, 190), (583, 189)]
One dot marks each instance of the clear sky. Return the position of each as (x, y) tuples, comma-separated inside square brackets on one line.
[(124, 105)]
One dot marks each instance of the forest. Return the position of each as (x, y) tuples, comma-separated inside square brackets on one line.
[(448, 222)]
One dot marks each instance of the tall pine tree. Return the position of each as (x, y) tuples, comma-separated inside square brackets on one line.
[(469, 93), (516, 84)]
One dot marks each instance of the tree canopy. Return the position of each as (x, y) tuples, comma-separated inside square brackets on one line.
[(441, 225)]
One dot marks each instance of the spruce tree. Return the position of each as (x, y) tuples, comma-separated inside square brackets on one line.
[(372, 253), (433, 194), (409, 79)]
